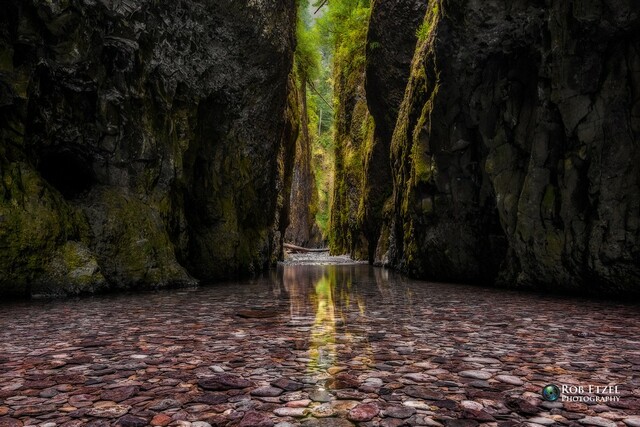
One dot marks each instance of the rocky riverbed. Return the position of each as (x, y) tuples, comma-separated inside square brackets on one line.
[(318, 345)]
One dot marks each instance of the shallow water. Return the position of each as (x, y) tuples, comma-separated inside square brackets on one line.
[(407, 352)]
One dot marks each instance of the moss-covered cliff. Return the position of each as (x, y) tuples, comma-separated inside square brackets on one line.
[(512, 141), (139, 141), (352, 128), (515, 156)]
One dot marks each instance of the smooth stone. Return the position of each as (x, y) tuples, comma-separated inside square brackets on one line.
[(224, 382), (632, 421), (326, 422), (482, 360), (541, 420), (323, 411), (363, 412), (597, 421), (200, 424), (161, 420), (291, 412), (399, 412), (114, 411), (418, 377), (460, 423), (287, 384), (119, 394), (422, 393), (320, 396), (374, 382), (290, 397), (417, 404), (266, 391), (132, 421), (299, 403), (470, 404), (509, 379), (165, 404), (257, 314), (256, 419), (480, 375)]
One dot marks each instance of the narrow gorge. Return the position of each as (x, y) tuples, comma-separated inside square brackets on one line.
[(319, 213)]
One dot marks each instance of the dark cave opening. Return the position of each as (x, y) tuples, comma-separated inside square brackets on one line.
[(69, 171)]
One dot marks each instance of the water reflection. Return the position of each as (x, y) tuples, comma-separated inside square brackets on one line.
[(328, 304)]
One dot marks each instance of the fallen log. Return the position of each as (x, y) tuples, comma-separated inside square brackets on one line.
[(295, 248)]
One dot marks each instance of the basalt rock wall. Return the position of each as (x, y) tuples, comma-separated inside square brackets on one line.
[(141, 141), (516, 154)]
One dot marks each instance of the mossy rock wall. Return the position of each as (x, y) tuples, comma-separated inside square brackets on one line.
[(516, 152), (143, 136)]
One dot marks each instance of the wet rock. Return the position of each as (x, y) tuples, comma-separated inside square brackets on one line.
[(224, 382), (323, 411), (111, 411), (256, 419), (480, 375), (509, 379), (291, 412), (399, 412), (33, 410), (321, 396), (363, 412), (161, 420), (474, 414), (119, 394), (460, 423), (423, 393), (257, 314), (266, 391), (131, 421), (163, 404), (597, 421), (326, 422), (521, 406), (287, 384)]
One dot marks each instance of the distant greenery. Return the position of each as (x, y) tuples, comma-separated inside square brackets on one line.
[(313, 64), (331, 42)]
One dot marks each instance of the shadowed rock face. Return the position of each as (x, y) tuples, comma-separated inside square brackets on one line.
[(140, 140), (391, 43), (515, 155)]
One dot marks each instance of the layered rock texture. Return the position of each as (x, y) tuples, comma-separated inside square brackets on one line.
[(302, 229), (140, 141), (516, 154)]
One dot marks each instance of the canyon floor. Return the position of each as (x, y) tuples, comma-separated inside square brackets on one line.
[(319, 345)]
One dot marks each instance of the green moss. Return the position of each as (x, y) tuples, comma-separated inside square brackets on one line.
[(422, 33), (36, 221)]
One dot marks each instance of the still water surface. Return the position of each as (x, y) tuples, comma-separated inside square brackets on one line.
[(347, 334)]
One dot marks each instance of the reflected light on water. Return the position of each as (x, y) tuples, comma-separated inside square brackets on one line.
[(322, 301)]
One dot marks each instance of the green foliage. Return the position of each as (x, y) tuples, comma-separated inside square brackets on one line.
[(307, 56), (423, 31)]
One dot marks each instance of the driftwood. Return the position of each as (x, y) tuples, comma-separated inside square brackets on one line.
[(294, 248)]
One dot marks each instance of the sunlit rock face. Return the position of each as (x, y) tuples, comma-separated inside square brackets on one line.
[(140, 140), (516, 154)]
